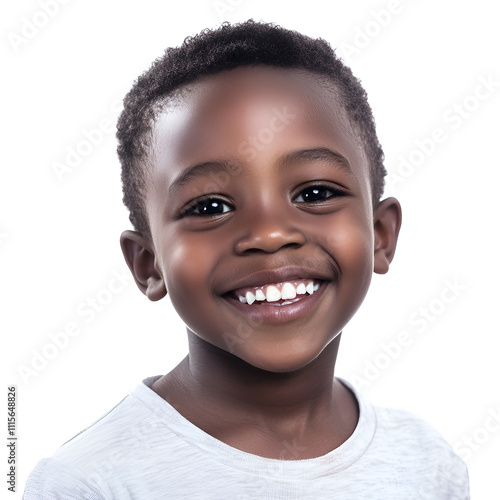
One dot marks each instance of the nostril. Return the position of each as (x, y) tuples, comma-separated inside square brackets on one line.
[(268, 236), (272, 248), (292, 245)]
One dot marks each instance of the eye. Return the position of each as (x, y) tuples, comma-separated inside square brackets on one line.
[(316, 193), (206, 206)]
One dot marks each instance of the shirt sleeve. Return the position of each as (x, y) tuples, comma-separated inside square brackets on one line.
[(448, 478), (53, 480)]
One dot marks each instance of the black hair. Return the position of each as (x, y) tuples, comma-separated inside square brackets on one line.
[(225, 48)]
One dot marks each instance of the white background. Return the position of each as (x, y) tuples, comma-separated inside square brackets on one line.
[(59, 237)]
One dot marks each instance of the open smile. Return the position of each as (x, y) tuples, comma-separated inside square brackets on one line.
[(276, 293), (277, 302)]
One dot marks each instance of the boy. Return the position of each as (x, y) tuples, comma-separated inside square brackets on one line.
[(253, 176)]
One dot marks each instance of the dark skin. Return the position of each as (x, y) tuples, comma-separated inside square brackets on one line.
[(267, 388)]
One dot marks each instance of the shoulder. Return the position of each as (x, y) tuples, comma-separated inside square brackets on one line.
[(424, 451), (397, 429), (119, 426), (399, 426), (52, 479), (414, 452), (104, 451)]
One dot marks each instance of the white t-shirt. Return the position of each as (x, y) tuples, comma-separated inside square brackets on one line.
[(144, 449)]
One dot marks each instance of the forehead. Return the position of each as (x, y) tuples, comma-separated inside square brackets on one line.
[(250, 115)]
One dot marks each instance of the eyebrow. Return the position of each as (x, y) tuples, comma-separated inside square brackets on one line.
[(204, 169), (316, 154)]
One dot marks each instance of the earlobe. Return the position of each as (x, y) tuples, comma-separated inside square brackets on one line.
[(387, 222), (140, 259)]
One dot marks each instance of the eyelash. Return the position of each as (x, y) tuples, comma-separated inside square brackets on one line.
[(189, 210)]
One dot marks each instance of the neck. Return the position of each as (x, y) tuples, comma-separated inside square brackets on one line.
[(229, 380), (265, 413)]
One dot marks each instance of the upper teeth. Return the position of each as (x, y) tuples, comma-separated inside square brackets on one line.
[(272, 293)]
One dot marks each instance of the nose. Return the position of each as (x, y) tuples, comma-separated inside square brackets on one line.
[(268, 233)]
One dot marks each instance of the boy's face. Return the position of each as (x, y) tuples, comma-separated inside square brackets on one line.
[(268, 138)]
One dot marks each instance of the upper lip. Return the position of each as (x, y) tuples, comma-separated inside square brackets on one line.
[(277, 276)]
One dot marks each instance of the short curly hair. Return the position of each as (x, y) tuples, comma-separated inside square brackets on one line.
[(213, 51)]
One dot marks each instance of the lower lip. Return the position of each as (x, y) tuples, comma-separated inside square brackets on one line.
[(270, 312)]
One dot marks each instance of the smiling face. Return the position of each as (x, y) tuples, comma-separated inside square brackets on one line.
[(261, 215)]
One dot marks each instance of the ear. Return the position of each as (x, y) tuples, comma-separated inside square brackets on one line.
[(140, 257), (386, 223)]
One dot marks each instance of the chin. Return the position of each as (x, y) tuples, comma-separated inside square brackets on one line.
[(280, 360)]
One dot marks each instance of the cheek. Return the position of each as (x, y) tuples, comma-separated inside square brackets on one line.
[(351, 245), (187, 264), (355, 249)]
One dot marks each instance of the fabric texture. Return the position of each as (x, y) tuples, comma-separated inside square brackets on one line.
[(144, 449)]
